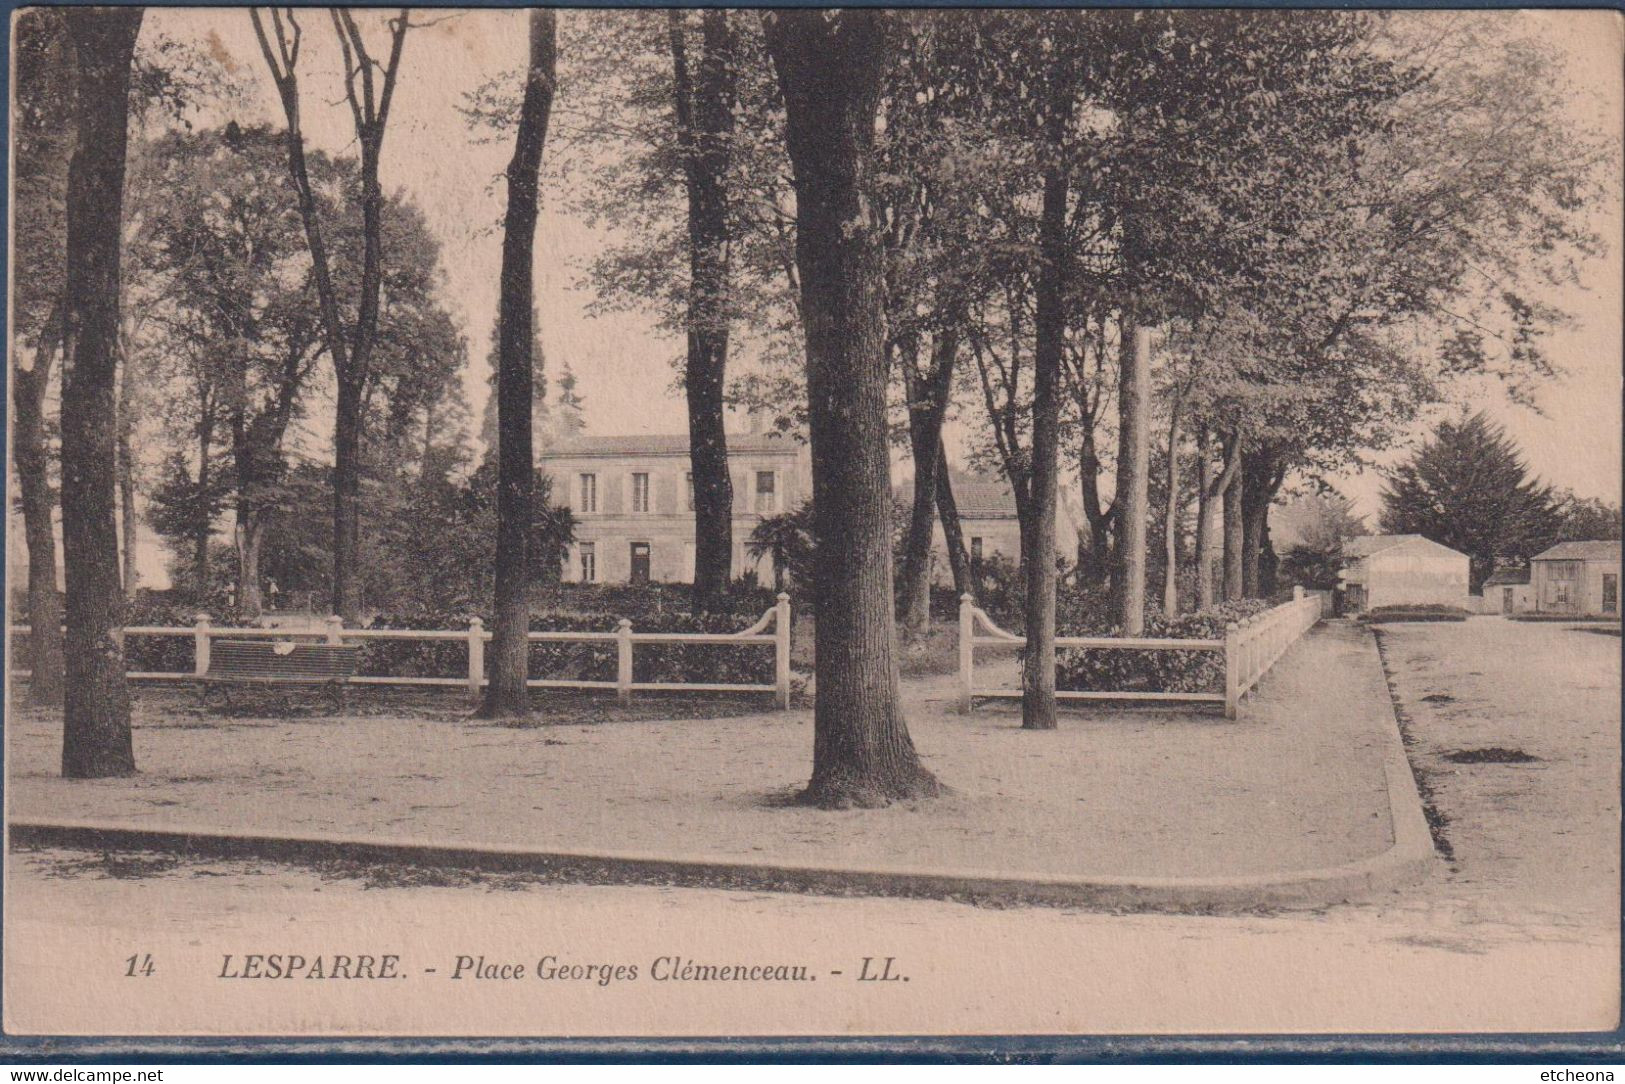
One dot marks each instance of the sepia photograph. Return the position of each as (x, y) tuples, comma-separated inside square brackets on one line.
[(674, 524)]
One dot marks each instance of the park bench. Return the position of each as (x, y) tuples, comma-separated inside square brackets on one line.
[(278, 665)]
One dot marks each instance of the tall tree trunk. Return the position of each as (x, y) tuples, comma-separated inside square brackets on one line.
[(927, 406), (248, 582), (705, 127), (1268, 563), (1262, 476), (246, 540), (1133, 471), (249, 539), (347, 424), (96, 712), (1038, 543), (200, 540), (1094, 551), (831, 67), (1255, 500), (507, 697), (1234, 536), (1170, 519), (32, 459), (1204, 521), (128, 520), (953, 535)]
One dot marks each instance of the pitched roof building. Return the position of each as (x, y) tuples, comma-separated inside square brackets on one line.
[(1402, 570), (1578, 578)]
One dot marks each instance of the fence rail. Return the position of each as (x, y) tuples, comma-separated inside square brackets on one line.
[(772, 629), (1249, 648)]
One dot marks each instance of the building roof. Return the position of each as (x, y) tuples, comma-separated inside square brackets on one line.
[(976, 498), (1581, 551), (664, 444), (1369, 544), (1373, 544)]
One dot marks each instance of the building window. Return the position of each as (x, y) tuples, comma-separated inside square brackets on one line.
[(767, 497), (589, 493), (1560, 577), (1610, 593), (640, 493), (589, 559), (976, 550), (688, 486)]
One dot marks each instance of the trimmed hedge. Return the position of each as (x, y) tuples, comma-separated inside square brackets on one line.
[(167, 654), (1149, 670), (1432, 612), (1594, 619), (586, 660), (564, 608)]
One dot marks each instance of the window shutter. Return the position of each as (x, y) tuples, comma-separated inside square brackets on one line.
[(666, 490)]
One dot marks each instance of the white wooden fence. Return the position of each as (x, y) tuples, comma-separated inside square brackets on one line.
[(476, 637), (1250, 648)]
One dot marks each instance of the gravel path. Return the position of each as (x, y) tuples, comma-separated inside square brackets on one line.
[(1296, 783)]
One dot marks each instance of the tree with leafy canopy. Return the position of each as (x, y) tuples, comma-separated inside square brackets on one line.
[(554, 420), (231, 329), (369, 90), (1325, 522), (1584, 519), (1419, 261), (232, 312), (1468, 487), (788, 539), (166, 77), (1156, 208)]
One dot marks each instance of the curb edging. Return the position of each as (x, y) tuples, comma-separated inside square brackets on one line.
[(1408, 860)]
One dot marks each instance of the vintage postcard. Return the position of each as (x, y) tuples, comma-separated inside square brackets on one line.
[(562, 523)]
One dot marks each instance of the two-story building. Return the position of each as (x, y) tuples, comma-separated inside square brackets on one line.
[(633, 500)]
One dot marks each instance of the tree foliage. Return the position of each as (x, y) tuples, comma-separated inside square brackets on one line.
[(1468, 487)]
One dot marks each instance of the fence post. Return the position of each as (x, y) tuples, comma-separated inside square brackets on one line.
[(967, 649), (1232, 666), (781, 651), (200, 645), (623, 661), (476, 655), (335, 626), (1255, 652)]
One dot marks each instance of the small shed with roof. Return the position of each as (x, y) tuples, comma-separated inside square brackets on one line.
[(1507, 591), (1402, 570), (1578, 578)]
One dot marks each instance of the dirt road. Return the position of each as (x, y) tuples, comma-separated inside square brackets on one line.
[(1515, 729)]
